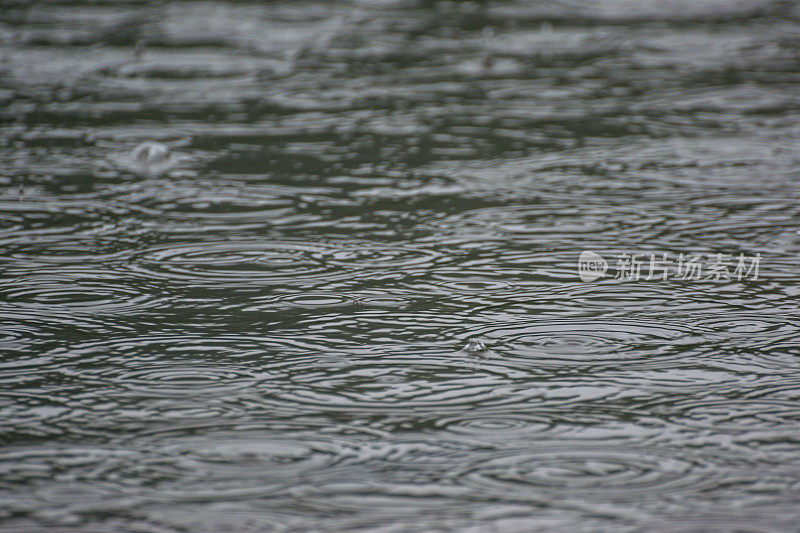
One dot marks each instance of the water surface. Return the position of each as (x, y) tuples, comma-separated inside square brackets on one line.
[(265, 331)]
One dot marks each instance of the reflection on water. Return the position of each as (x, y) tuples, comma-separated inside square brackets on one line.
[(303, 266)]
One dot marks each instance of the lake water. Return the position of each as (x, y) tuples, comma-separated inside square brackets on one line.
[(351, 297)]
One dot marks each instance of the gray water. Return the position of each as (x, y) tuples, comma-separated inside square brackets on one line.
[(268, 329)]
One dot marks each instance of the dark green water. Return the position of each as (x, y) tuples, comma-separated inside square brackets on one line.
[(266, 330)]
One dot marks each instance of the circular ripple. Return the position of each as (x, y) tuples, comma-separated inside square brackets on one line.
[(509, 425), (237, 262), (249, 461), (275, 262), (591, 342), (177, 365), (74, 296), (171, 379), (519, 424), (604, 471), (316, 300), (738, 416), (746, 326), (244, 449)]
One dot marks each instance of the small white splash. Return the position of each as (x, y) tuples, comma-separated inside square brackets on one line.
[(150, 158), (475, 346), (150, 152)]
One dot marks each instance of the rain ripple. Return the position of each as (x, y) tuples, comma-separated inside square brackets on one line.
[(276, 262)]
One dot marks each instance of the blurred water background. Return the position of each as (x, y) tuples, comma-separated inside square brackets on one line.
[(265, 330)]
